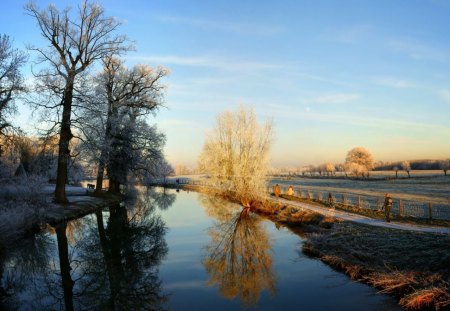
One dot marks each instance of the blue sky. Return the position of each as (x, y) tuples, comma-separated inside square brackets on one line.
[(333, 75)]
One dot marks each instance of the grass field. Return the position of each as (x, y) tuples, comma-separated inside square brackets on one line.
[(416, 192)]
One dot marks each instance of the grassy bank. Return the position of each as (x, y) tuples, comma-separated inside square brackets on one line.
[(415, 267)]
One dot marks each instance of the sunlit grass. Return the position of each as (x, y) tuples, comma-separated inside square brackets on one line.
[(413, 266)]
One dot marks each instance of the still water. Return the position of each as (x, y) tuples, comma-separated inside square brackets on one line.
[(167, 250)]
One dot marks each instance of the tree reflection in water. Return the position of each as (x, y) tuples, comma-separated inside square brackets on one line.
[(161, 197), (112, 264), (238, 258)]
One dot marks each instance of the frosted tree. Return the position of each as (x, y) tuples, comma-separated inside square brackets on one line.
[(235, 155), (137, 91), (406, 166), (355, 168), (444, 165), (75, 43), (11, 80), (359, 156), (329, 168)]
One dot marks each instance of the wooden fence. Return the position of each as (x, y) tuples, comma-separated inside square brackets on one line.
[(352, 201)]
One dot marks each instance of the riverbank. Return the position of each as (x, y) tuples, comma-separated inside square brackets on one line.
[(27, 206), (413, 266), (79, 206)]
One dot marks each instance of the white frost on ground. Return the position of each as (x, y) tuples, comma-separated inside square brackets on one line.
[(363, 219)]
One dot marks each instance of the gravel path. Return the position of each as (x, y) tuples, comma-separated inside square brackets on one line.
[(363, 219)]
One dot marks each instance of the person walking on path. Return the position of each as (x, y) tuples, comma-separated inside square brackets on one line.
[(330, 200), (387, 206), (290, 191), (277, 190)]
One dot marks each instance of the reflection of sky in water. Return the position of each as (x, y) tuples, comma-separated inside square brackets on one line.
[(300, 283)]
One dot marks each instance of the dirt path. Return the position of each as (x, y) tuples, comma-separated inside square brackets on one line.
[(363, 219)]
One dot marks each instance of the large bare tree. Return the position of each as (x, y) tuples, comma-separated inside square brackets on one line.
[(75, 43), (235, 155), (129, 93), (116, 133), (11, 80)]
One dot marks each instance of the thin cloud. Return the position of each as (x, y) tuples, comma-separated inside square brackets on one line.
[(225, 26), (367, 121), (341, 98), (209, 62), (419, 51), (394, 82)]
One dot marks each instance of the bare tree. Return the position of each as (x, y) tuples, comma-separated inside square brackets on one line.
[(235, 155), (396, 168), (11, 80), (122, 90), (75, 43), (444, 165), (406, 166), (360, 160), (115, 134)]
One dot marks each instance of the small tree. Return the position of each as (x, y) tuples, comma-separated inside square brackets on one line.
[(444, 165), (235, 155), (406, 166), (360, 156), (330, 168), (396, 168)]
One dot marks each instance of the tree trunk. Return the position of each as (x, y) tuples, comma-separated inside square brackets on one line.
[(114, 186), (100, 171), (64, 140), (112, 110)]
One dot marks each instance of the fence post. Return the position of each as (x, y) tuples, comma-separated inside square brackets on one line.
[(319, 196), (343, 200), (400, 208), (430, 211), (359, 201)]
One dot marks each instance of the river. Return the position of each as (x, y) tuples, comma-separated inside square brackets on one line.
[(168, 250)]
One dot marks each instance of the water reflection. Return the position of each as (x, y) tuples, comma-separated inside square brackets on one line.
[(113, 264), (238, 259), (162, 197)]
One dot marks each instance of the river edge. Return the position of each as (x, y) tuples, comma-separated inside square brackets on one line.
[(29, 221), (414, 267)]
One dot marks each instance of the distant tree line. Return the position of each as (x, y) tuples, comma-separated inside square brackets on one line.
[(359, 162), (415, 165)]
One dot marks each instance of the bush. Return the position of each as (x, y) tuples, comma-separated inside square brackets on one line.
[(22, 201)]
